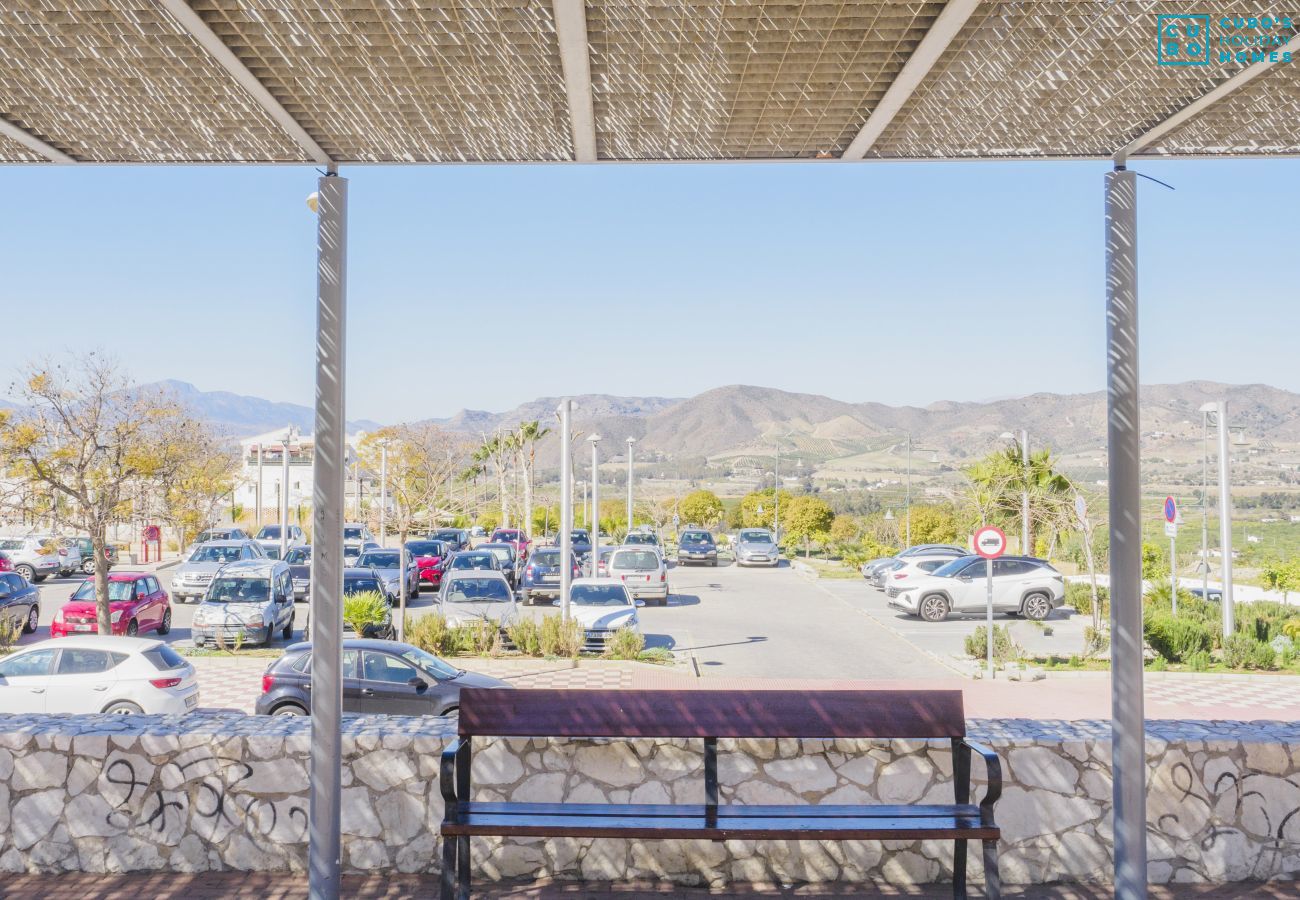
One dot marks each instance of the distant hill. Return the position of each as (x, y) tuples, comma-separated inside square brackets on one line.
[(241, 416)]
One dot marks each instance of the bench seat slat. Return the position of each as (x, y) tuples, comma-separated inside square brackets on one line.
[(732, 828), (667, 810)]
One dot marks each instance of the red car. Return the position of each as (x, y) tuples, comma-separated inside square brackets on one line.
[(431, 559), (135, 600), (515, 538), (5, 564)]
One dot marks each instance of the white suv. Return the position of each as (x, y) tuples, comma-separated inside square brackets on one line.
[(1022, 586), (35, 557)]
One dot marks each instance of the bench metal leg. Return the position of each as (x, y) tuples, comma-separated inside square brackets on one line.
[(448, 869), (959, 870), (992, 880), (462, 868)]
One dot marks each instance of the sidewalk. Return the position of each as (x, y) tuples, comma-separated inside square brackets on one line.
[(212, 885)]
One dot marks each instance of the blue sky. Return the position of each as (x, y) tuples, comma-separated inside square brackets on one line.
[(485, 286)]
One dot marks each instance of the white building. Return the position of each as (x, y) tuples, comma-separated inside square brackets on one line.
[(302, 457)]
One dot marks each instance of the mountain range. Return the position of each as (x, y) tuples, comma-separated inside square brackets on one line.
[(739, 420)]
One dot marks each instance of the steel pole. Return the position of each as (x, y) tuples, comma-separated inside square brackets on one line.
[(988, 620), (908, 502), (776, 500), (383, 494), (1225, 518), (258, 517), (323, 849), (1025, 548), (284, 492), (630, 441), (1124, 449), (1205, 509), (566, 506), (595, 509)]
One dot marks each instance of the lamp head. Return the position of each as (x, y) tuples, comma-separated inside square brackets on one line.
[(593, 439)]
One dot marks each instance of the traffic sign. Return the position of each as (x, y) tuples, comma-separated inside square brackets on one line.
[(1171, 510), (1171, 529), (990, 542)]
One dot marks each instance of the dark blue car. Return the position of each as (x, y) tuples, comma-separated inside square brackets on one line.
[(580, 540), (541, 577), (19, 601), (696, 546)]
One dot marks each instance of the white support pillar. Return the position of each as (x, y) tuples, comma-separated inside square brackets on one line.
[(566, 505), (1225, 518), (324, 845), (1124, 447)]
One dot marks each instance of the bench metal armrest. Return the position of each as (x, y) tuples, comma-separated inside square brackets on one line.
[(994, 767), (447, 772)]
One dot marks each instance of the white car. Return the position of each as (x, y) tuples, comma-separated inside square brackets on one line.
[(94, 674), (34, 556), (204, 562), (250, 601), (1022, 586), (474, 595), (905, 569), (642, 571), (269, 539), (602, 606)]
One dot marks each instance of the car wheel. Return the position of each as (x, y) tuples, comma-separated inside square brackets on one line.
[(451, 712), (934, 608), (270, 635), (287, 634), (39, 578), (1037, 607), (415, 594), (122, 708), (33, 619), (525, 598), (26, 571), (166, 625), (288, 709), (714, 564), (88, 566), (132, 628)]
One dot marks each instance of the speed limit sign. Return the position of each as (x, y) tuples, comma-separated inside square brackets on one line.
[(990, 542)]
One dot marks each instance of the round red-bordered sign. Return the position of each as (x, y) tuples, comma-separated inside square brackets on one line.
[(990, 542), (1171, 510)]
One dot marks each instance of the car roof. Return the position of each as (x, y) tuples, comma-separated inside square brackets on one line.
[(476, 573), (500, 545), (252, 566), (354, 644), (599, 582), (98, 642), (235, 542), (356, 571), (126, 576)]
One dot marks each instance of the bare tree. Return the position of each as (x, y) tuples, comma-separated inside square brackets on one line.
[(91, 436), (204, 477)]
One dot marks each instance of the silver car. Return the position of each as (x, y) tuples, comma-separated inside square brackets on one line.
[(250, 601), (35, 557), (1022, 586), (269, 538), (642, 571), (387, 564), (477, 595), (195, 574), (757, 547)]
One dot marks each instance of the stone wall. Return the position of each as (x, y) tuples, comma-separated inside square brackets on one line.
[(102, 793)]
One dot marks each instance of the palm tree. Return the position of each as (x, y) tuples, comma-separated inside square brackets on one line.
[(999, 480), (526, 438)]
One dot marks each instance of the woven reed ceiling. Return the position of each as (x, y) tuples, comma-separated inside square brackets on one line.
[(481, 80)]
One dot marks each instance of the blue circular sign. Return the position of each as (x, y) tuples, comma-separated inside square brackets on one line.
[(1171, 510)]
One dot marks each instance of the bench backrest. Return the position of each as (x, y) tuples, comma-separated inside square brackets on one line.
[(711, 714)]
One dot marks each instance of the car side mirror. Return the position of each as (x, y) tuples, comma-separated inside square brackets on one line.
[(416, 681), (963, 578), (640, 603)]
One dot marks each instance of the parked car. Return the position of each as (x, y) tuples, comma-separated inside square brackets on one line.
[(379, 677), (870, 567), (1022, 586), (355, 534), (602, 564), (34, 556), (950, 550), (299, 560), (642, 538), (362, 581), (902, 570), (269, 538), (602, 606), (697, 546), (757, 547), (20, 601), (222, 534), (93, 674), (352, 552), (468, 597), (506, 559), (195, 574), (136, 603), (456, 538), (5, 564), (478, 531), (248, 601), (541, 577), (473, 560), (1214, 595), (516, 539), (642, 571), (78, 553), (580, 541), (387, 564), (431, 558)]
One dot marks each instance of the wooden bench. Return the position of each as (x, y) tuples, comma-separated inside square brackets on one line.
[(711, 715)]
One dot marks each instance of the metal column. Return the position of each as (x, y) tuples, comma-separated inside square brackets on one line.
[(594, 440), (284, 492), (1123, 432), (323, 852), (1225, 517), (566, 505), (1025, 547)]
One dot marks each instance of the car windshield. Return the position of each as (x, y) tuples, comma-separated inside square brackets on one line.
[(352, 534), (476, 561), (234, 589), (580, 537), (206, 536), (430, 663), (380, 559), (505, 536), (269, 533), (209, 553), (501, 553), (697, 537), (448, 534), (478, 590), (298, 555), (360, 586), (640, 539), (756, 537), (117, 590), (424, 548), (547, 558), (636, 560), (599, 595), (948, 570)]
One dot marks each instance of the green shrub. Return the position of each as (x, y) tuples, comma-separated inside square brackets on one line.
[(1079, 596), (560, 638), (526, 637), (477, 638), (1174, 638), (1240, 651), (1158, 664), (431, 633), (1005, 648), (624, 644), (1189, 605), (1262, 656), (1263, 621), (1291, 628), (1199, 661), (368, 608), (656, 655), (11, 630), (1095, 641)]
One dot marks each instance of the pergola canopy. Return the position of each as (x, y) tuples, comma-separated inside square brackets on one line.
[(428, 81)]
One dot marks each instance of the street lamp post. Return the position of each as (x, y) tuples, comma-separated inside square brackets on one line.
[(258, 517), (1205, 502), (1219, 410), (594, 440), (383, 492), (630, 442), (289, 434), (934, 457), (566, 506)]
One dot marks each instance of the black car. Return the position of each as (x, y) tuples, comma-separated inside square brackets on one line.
[(384, 677), (505, 554), (580, 541), (696, 546), (299, 560), (456, 538), (19, 601)]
